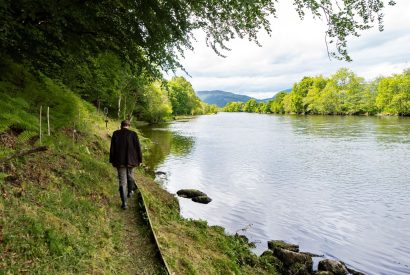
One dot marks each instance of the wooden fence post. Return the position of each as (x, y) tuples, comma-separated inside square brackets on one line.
[(48, 120), (41, 109)]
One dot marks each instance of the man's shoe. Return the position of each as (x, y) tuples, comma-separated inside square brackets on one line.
[(123, 198), (130, 194)]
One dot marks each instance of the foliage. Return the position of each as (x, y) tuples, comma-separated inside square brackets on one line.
[(99, 79), (343, 93), (234, 107), (183, 98), (156, 106), (276, 105), (394, 94), (148, 35)]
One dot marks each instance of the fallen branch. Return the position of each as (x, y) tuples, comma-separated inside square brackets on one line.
[(24, 152)]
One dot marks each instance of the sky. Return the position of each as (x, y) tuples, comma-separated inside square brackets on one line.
[(296, 49)]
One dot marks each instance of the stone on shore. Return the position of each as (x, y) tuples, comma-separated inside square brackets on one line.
[(202, 199), (190, 193), (333, 266), (294, 262), (281, 244)]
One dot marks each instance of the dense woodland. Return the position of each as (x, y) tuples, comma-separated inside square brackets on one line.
[(343, 93)]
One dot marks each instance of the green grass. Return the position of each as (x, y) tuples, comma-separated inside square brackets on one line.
[(59, 209)]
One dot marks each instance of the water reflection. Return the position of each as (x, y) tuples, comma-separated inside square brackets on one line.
[(165, 142), (336, 185), (384, 129)]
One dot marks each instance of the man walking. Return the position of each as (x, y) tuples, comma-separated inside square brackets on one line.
[(125, 154)]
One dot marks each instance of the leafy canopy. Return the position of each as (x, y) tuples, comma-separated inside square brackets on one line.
[(152, 34)]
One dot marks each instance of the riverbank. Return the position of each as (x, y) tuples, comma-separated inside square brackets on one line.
[(310, 180), (194, 247), (60, 206)]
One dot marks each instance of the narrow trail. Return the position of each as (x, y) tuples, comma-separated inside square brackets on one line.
[(139, 242)]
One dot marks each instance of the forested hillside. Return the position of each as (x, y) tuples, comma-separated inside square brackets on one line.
[(221, 98), (343, 93)]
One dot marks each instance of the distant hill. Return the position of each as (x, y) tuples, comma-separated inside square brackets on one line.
[(221, 98), (273, 97)]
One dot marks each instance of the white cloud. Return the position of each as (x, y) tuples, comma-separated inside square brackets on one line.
[(295, 49)]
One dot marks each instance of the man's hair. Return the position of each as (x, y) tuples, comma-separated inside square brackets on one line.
[(125, 123)]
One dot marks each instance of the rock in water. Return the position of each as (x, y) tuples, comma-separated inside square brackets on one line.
[(284, 245), (160, 173), (333, 266), (202, 199), (294, 262), (190, 193)]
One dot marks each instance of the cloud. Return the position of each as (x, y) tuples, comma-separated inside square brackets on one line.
[(295, 49)]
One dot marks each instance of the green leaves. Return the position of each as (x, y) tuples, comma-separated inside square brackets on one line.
[(344, 93), (151, 35)]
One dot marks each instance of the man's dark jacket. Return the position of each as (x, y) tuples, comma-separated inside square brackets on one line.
[(125, 148)]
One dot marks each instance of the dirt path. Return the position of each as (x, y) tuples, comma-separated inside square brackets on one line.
[(139, 242)]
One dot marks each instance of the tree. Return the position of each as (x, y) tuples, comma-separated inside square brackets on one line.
[(294, 101), (182, 96), (156, 107), (234, 107), (152, 34), (276, 105), (394, 94), (251, 106), (312, 99)]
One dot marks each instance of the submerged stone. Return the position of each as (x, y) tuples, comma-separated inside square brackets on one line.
[(284, 245), (353, 272), (190, 193), (202, 199), (313, 254), (333, 266)]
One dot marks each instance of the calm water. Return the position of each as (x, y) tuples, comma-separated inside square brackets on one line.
[(338, 186)]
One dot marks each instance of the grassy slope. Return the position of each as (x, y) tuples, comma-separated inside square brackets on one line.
[(59, 209)]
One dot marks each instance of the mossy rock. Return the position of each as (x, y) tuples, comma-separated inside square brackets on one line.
[(282, 244), (190, 193), (294, 262), (202, 199), (333, 266)]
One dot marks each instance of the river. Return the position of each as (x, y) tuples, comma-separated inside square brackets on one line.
[(335, 185)]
